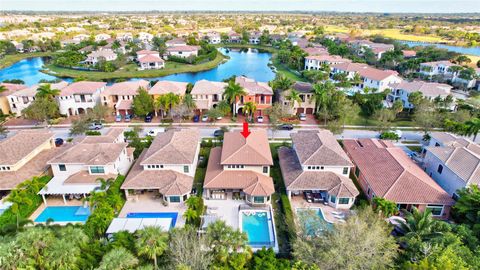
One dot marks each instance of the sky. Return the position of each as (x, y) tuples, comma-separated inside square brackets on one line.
[(382, 6)]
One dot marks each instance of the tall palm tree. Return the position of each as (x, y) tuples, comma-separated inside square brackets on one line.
[(472, 127), (190, 215), (152, 242), (294, 96), (232, 92), (281, 83), (356, 79), (17, 197), (189, 102), (249, 109), (419, 225), (46, 91), (321, 95)]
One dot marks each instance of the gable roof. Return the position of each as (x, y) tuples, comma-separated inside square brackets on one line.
[(365, 70), (11, 88), (90, 154), (253, 150), (129, 88), (165, 87), (426, 88), (183, 48), (253, 87), (15, 148), (319, 147), (204, 87), (83, 87), (150, 58), (173, 147), (32, 90), (392, 175)]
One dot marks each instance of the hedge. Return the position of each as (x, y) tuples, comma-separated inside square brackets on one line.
[(25, 210)]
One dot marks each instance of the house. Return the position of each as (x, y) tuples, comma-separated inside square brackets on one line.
[(145, 37), (384, 170), (101, 37), (213, 38), (167, 166), (254, 37), (79, 97), (240, 169), (312, 51), (257, 92), (453, 162), (149, 60), (176, 42), (371, 77), (234, 37), (21, 99), (409, 53), (125, 37), (377, 48), (440, 68), (10, 89), (207, 94), (315, 62), (307, 105), (76, 171), (119, 96), (165, 87), (317, 166), (100, 55), (401, 91), (25, 155), (300, 42), (183, 51)]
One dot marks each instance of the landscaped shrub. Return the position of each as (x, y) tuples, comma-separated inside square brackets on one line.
[(26, 197), (388, 135), (93, 133), (194, 211), (167, 120), (289, 220)]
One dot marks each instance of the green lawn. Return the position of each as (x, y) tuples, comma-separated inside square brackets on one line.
[(363, 121), (9, 60), (415, 148)]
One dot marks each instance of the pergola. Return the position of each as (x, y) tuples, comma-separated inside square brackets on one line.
[(56, 186)]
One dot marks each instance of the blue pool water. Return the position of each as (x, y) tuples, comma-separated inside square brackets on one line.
[(64, 214), (257, 229), (308, 222), (248, 62), (167, 215)]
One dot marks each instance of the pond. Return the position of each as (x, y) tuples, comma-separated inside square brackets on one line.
[(459, 49), (249, 62)]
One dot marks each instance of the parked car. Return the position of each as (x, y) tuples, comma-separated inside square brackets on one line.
[(118, 118), (260, 119), (218, 133), (204, 118), (128, 118), (58, 142), (196, 118), (219, 118), (302, 117), (285, 127), (95, 126), (148, 118)]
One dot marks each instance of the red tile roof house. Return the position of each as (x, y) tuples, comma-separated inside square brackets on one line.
[(317, 165), (257, 92), (240, 167), (384, 170), (316, 61), (182, 51), (149, 60), (119, 96)]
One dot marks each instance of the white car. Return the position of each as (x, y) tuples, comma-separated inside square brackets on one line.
[(260, 119), (302, 117), (204, 118)]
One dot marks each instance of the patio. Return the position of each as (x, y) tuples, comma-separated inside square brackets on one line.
[(226, 210), (330, 213)]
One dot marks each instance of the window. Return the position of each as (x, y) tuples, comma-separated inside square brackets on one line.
[(357, 172), (257, 199), (332, 199), (185, 197), (97, 169), (309, 167), (437, 210), (440, 169), (368, 191), (62, 167), (343, 200), (185, 169), (174, 199), (345, 170)]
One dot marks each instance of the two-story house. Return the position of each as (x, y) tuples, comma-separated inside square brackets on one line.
[(176, 42), (119, 96), (76, 171), (315, 62), (240, 169), (453, 162), (213, 37), (149, 60), (307, 105), (401, 91), (167, 166), (11, 88), (317, 168), (234, 37), (21, 99), (79, 97), (441, 68), (207, 94), (100, 55), (257, 92), (254, 37), (182, 51)]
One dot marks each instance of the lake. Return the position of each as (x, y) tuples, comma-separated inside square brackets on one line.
[(248, 62), (459, 49)]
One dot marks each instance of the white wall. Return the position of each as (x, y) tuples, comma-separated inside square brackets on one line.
[(448, 180)]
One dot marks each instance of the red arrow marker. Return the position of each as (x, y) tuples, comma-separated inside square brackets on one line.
[(245, 131)]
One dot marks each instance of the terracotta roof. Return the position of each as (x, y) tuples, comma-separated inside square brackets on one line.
[(254, 150), (173, 147), (315, 50), (110, 137), (303, 87), (328, 58), (252, 183), (253, 87), (182, 48), (165, 87), (84, 177), (428, 89), (146, 52), (409, 53), (124, 105), (204, 87), (297, 179), (90, 154), (391, 174), (150, 58), (83, 87), (167, 181), (438, 63), (102, 53), (11, 88), (24, 142), (128, 88), (365, 71), (175, 41), (32, 90), (319, 147)]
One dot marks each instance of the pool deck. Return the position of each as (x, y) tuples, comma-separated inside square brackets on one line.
[(327, 210), (227, 210), (54, 201), (148, 203)]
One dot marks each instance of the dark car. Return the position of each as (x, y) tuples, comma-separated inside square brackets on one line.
[(196, 118), (285, 127), (58, 142), (148, 118), (218, 133)]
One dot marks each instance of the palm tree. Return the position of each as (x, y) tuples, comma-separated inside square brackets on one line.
[(294, 96), (189, 102), (160, 104), (104, 183), (232, 92), (281, 83), (3, 88), (321, 96), (190, 215), (17, 197), (118, 258), (472, 127), (418, 224), (356, 79), (167, 102), (151, 242), (249, 109), (45, 91)]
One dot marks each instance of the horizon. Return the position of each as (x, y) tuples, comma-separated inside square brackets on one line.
[(310, 6)]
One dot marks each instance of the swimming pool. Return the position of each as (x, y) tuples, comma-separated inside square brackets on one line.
[(64, 214), (312, 223), (163, 215), (259, 228)]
